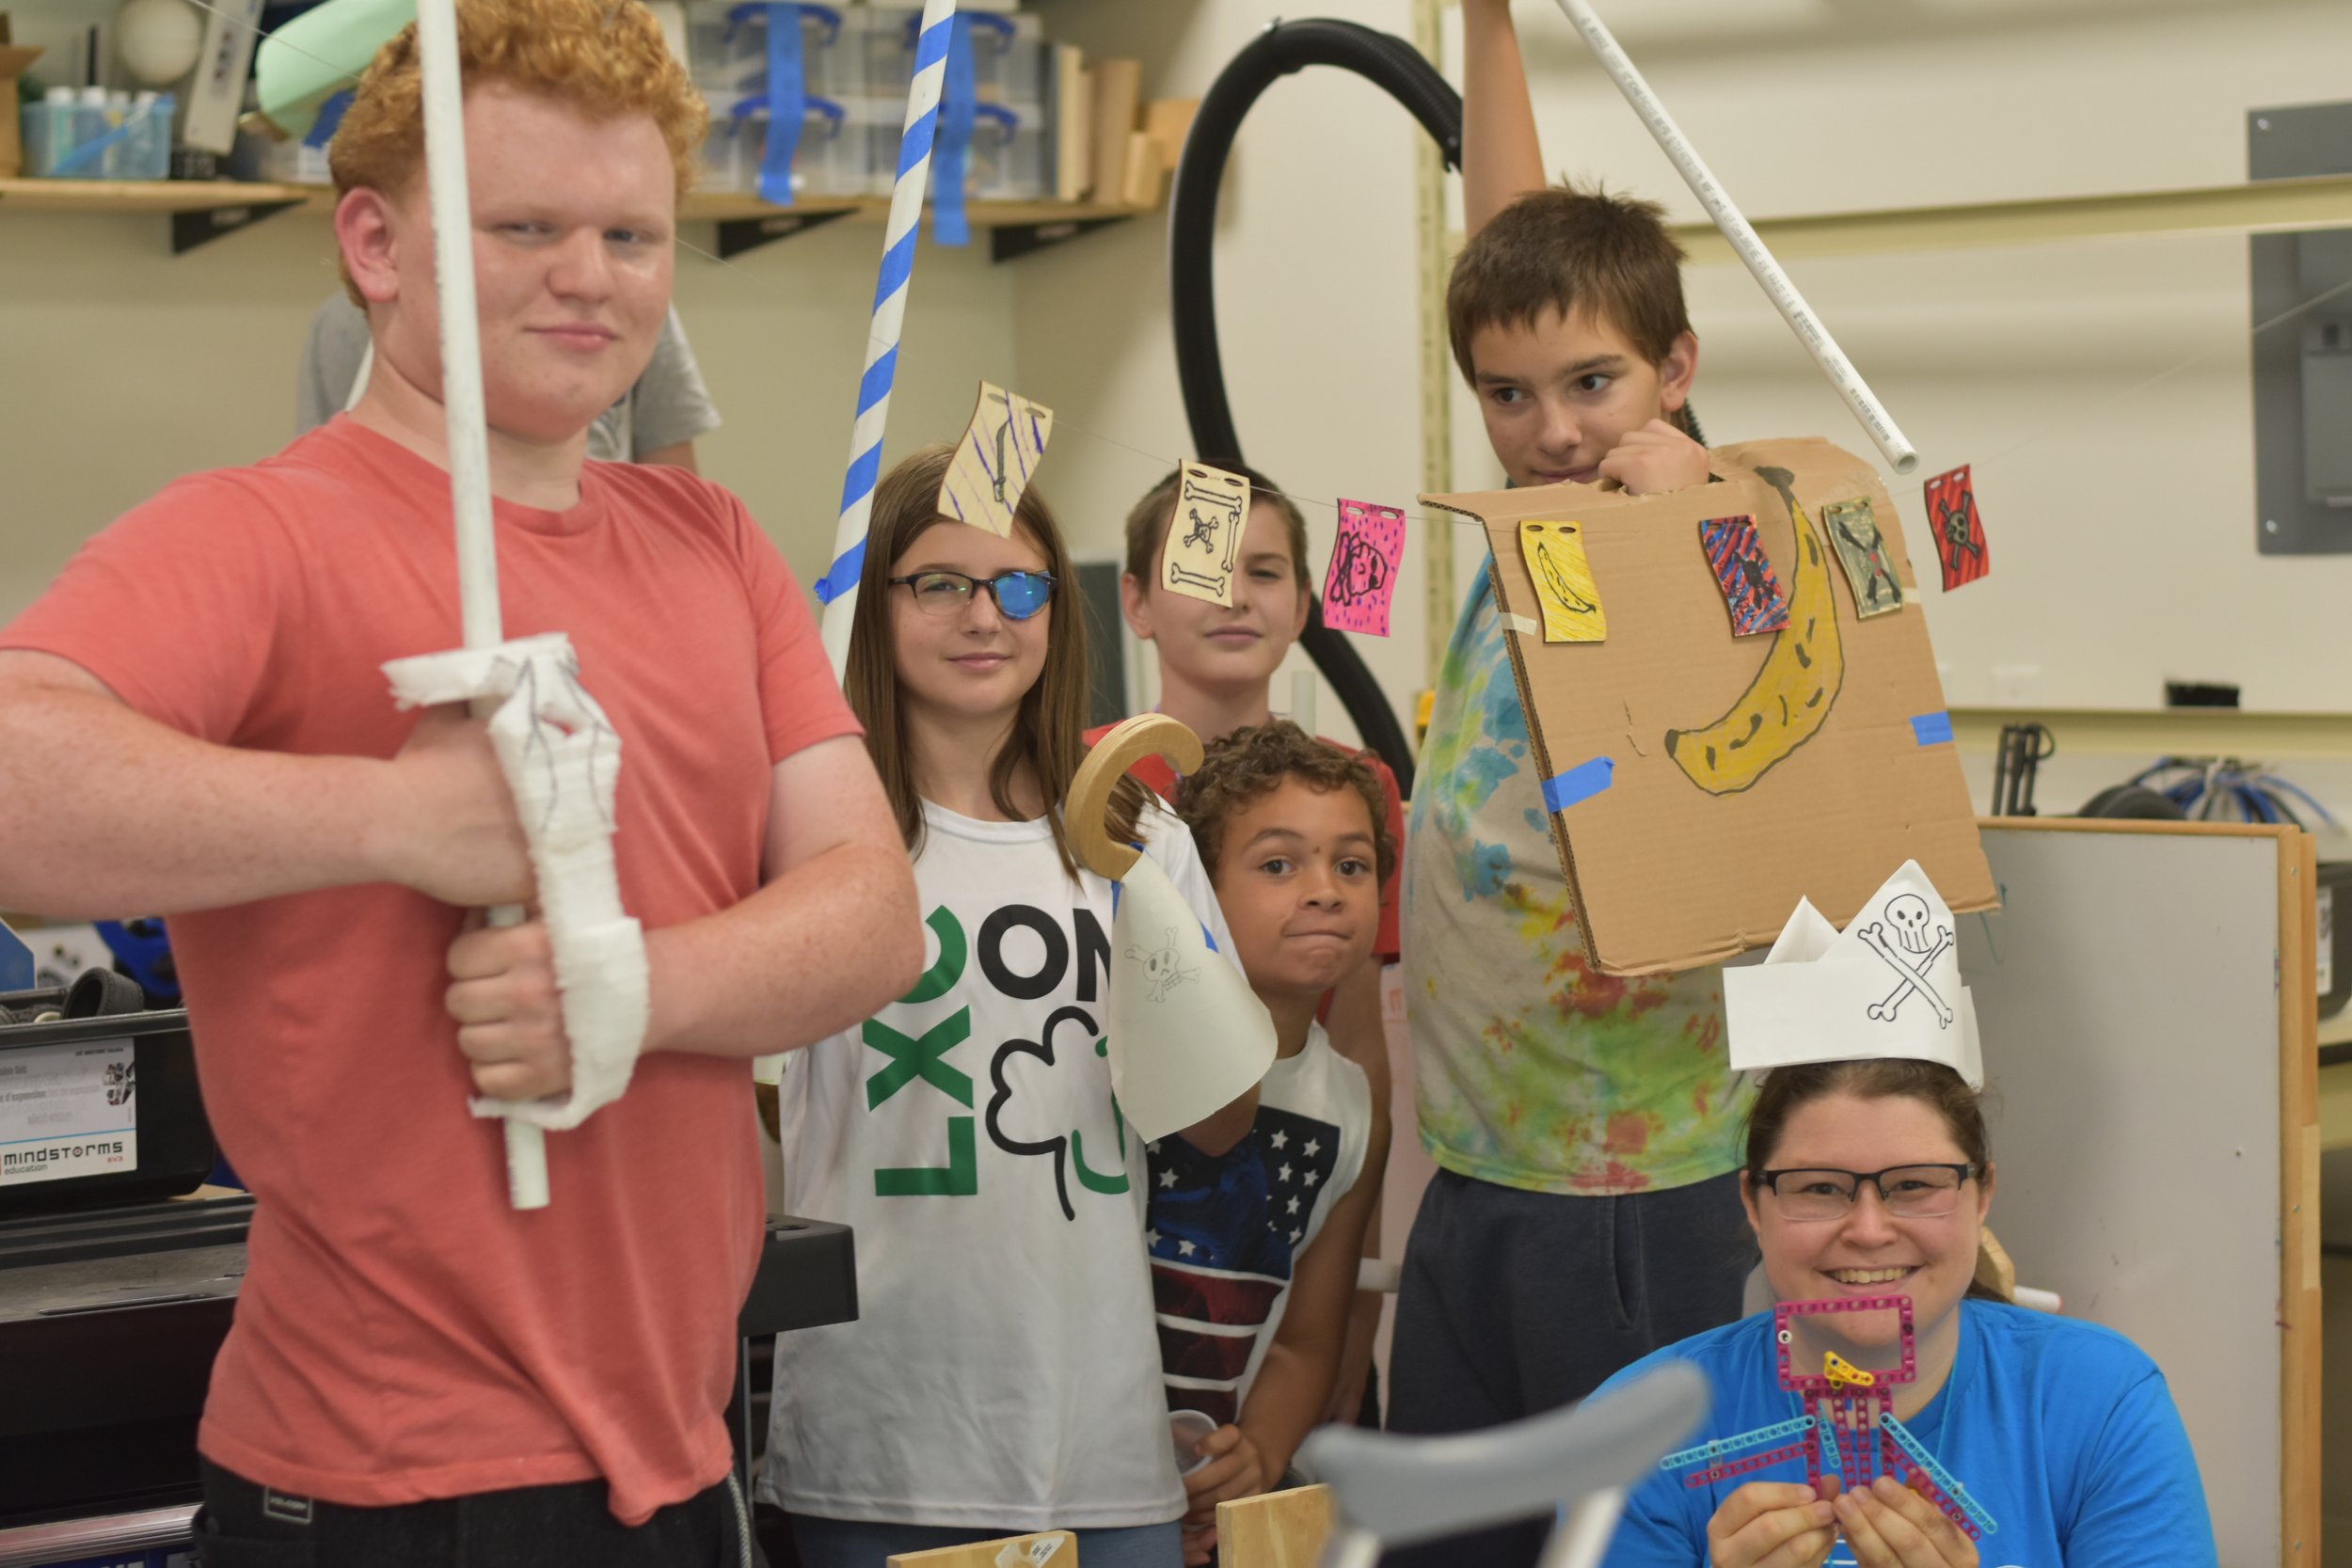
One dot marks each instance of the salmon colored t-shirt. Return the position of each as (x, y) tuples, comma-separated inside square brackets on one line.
[(1155, 774), (401, 1334)]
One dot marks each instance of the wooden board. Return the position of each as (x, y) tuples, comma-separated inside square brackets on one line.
[(2145, 997), (1052, 1549), (1278, 1530)]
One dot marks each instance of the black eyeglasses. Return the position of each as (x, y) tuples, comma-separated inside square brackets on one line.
[(1909, 1192), (1018, 594)]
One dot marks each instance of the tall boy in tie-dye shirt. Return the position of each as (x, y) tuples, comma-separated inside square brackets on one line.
[(1587, 1127)]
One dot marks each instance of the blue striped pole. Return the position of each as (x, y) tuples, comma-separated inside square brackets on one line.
[(837, 588)]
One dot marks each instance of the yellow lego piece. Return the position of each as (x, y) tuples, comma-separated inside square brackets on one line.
[(1843, 1374)]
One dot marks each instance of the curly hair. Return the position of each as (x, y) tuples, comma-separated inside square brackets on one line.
[(1254, 761), (602, 58)]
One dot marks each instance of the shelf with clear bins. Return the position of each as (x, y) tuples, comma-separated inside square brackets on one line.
[(204, 210)]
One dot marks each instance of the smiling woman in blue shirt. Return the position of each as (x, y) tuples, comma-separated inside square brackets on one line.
[(1873, 1177)]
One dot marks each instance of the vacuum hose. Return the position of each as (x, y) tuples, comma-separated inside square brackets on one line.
[(1398, 69)]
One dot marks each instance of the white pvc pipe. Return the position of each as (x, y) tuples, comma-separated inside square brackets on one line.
[(1744, 241), (467, 432), (888, 323), (1579, 1540)]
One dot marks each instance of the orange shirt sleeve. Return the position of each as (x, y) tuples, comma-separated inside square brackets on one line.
[(798, 695), (179, 607)]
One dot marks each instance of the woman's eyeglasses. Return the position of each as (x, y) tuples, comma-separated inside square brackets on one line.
[(1909, 1192), (1018, 594)]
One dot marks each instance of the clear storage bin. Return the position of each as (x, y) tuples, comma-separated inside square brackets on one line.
[(726, 48), (1007, 157), (835, 156), (94, 137), (1008, 52)]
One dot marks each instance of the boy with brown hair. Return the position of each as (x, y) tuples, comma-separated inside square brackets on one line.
[(1585, 1211), (1253, 1252), (194, 722), (1217, 674)]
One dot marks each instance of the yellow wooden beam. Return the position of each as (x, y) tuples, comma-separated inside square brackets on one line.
[(188, 195), (2153, 733), (2270, 205), (1434, 243)]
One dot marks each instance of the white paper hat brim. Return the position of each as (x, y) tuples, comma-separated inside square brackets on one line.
[(1822, 995)]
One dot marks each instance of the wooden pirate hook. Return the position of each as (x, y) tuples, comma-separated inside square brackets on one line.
[(1144, 736)]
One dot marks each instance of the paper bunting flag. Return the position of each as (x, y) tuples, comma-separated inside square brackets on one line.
[(1853, 532), (1753, 595), (1204, 537), (1888, 985), (995, 460), (1554, 554), (1187, 1035), (1361, 578), (1959, 529)]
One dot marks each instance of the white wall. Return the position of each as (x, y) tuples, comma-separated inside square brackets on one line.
[(125, 367), (2120, 516)]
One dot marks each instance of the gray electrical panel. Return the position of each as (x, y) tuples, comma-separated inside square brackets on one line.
[(2303, 364)]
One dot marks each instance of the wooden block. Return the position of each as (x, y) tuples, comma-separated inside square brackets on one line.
[(1994, 1272), (1278, 1530), (1073, 125), (1146, 177), (1053, 1548), (1116, 89), (1167, 122)]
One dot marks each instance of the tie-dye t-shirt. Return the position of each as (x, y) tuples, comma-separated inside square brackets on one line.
[(1533, 1069)]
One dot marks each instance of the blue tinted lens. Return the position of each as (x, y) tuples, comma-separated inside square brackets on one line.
[(1021, 594)]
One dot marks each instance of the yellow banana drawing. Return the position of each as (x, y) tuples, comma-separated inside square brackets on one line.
[(1794, 688), (1564, 583)]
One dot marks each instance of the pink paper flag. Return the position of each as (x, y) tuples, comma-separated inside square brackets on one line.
[(1361, 578)]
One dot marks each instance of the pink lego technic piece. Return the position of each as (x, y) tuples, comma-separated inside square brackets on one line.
[(1730, 1468), (1820, 1383)]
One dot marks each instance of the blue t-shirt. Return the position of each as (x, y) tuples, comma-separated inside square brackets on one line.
[(2064, 1432)]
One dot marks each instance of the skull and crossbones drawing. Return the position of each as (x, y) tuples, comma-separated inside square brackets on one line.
[(1163, 966), (1910, 953)]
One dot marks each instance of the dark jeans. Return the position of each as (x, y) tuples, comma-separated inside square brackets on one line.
[(1514, 1303), (241, 1525)]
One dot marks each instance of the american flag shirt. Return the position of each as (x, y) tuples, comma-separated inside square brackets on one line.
[(1224, 1231)]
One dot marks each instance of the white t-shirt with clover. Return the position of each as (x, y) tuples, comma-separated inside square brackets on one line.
[(1004, 1370)]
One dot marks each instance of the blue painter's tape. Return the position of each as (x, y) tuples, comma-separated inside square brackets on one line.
[(865, 470), (931, 45), (330, 119), (843, 575), (1932, 729), (788, 103), (897, 266), (915, 145), (1580, 783), (874, 385), (958, 102)]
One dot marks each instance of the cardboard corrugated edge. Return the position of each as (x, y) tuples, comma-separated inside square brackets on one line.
[(1944, 830)]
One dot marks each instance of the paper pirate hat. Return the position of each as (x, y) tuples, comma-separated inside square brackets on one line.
[(1887, 986)]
